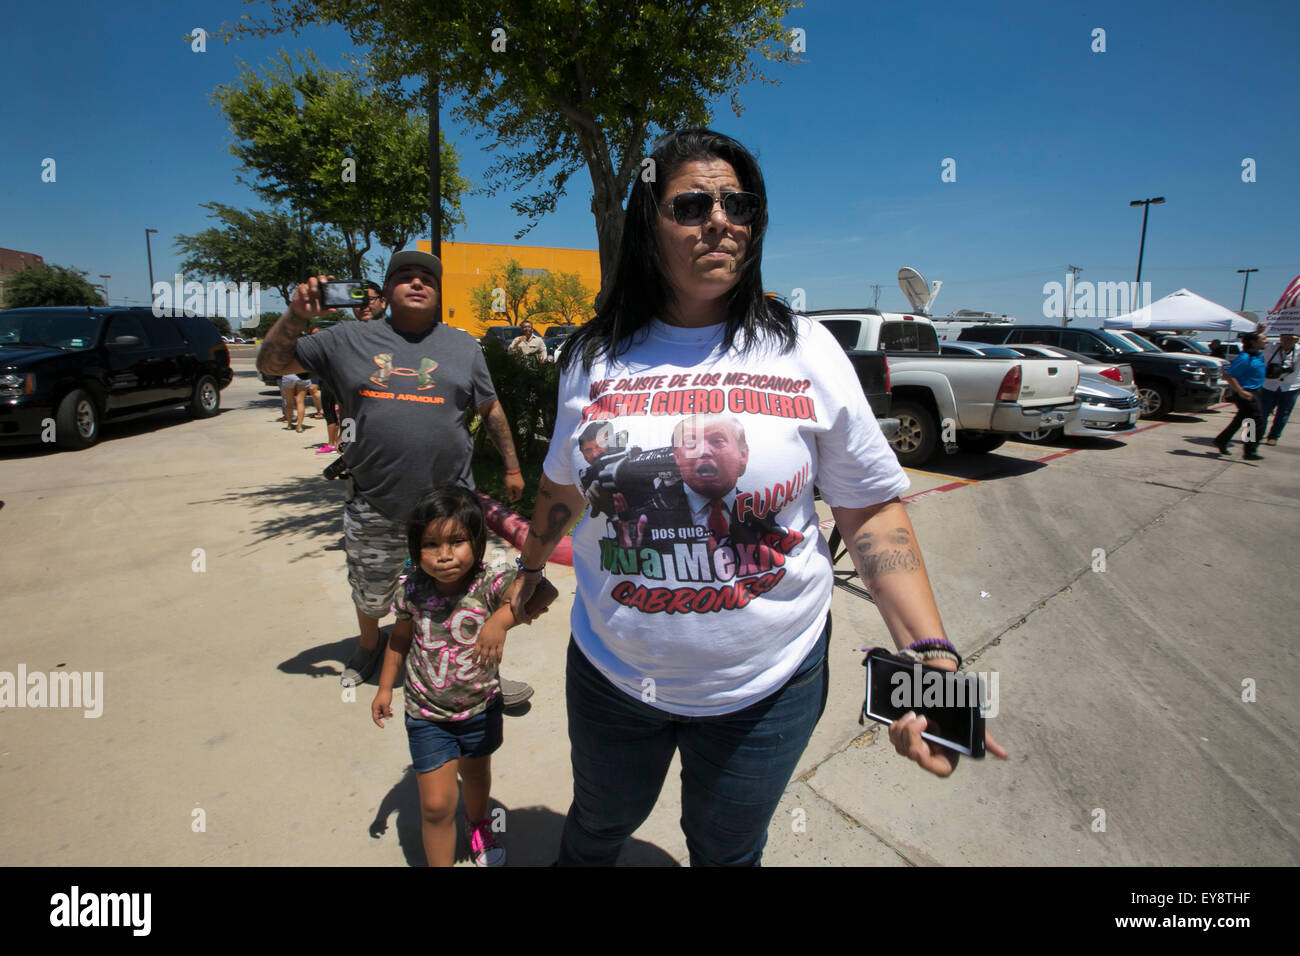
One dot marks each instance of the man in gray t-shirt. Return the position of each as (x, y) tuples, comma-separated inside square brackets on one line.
[(407, 386)]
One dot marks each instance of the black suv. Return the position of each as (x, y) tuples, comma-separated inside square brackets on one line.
[(77, 366), (1166, 383)]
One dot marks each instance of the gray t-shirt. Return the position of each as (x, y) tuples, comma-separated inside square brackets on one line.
[(411, 398)]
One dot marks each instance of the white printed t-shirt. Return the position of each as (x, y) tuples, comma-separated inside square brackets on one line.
[(703, 602)]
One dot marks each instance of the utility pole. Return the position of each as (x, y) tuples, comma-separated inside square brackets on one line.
[(875, 298), (1243, 287), (107, 301), (1069, 295)]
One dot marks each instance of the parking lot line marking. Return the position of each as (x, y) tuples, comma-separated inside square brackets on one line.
[(931, 474)]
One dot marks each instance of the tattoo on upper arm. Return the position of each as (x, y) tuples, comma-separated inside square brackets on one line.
[(896, 552)]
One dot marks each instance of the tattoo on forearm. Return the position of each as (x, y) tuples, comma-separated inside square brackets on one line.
[(279, 348), (557, 520), (875, 558), (499, 430)]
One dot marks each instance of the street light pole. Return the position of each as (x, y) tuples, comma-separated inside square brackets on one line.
[(1243, 287), (1146, 208), (149, 252), (1069, 295), (106, 278)]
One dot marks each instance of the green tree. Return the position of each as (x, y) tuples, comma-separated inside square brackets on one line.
[(507, 296), (222, 324), (340, 150), (565, 84), (42, 285), (562, 299), (265, 246)]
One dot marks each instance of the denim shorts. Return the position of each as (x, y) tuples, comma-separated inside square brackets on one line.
[(434, 742)]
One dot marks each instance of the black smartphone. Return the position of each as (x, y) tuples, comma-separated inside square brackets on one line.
[(950, 701), (345, 295)]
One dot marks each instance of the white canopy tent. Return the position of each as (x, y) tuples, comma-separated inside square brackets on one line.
[(1183, 311)]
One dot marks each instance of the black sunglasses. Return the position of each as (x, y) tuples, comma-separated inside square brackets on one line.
[(693, 209)]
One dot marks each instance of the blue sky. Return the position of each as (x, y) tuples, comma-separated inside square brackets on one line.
[(1050, 140)]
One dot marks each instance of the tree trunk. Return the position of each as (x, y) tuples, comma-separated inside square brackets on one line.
[(607, 207)]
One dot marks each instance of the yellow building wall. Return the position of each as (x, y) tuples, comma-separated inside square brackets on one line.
[(466, 265)]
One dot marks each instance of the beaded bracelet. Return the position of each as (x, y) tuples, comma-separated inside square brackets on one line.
[(519, 563)]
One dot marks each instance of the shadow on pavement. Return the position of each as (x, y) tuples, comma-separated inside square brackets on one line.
[(293, 506), (531, 835), (986, 467)]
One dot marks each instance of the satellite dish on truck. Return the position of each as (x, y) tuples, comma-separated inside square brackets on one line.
[(918, 294)]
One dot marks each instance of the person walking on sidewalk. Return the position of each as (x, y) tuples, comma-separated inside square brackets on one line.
[(409, 384), (710, 638), (1245, 377), (451, 628), (1281, 385)]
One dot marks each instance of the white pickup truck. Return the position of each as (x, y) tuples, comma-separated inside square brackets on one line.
[(967, 403)]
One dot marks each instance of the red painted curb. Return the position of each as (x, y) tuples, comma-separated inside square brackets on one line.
[(514, 528)]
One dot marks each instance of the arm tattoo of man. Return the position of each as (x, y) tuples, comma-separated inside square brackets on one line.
[(877, 558), (279, 348), (557, 520), (499, 430)]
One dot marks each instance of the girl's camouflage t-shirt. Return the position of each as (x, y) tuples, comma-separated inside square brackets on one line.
[(442, 681)]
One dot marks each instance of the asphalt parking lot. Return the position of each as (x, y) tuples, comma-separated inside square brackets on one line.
[(1149, 707)]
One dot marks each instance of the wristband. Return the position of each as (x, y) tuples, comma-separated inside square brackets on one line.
[(514, 472), (519, 563), (931, 642)]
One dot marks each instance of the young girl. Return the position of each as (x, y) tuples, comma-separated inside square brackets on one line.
[(459, 611)]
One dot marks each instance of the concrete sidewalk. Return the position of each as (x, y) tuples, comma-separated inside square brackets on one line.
[(198, 566)]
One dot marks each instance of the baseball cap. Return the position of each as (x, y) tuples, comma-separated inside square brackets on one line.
[(413, 257)]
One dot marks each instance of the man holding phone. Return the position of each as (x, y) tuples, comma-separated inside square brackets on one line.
[(395, 378)]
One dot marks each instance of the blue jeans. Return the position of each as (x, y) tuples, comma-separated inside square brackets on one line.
[(735, 767), (1284, 402)]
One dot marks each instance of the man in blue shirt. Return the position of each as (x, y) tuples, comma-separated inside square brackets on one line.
[(1245, 378)]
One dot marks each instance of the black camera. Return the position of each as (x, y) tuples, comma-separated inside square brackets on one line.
[(338, 468)]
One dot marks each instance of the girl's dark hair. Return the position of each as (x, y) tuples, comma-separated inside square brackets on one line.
[(639, 290), (447, 501)]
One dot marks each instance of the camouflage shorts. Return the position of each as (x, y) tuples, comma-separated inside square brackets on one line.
[(377, 551)]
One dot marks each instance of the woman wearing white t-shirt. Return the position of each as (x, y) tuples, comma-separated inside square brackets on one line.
[(701, 622)]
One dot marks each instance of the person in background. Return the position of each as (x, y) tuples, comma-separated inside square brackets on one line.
[(1281, 385), (1245, 377), (528, 344), (1217, 349), (374, 307)]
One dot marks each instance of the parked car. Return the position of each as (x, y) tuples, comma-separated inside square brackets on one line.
[(1166, 383), (1164, 344), (1105, 410), (505, 334), (80, 366), (987, 399), (1091, 370), (554, 338)]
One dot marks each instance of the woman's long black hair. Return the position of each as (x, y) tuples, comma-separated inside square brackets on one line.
[(640, 291)]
